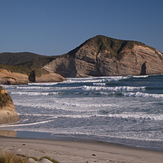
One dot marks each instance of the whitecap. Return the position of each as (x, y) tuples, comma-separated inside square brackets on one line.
[(35, 93), (141, 76), (120, 88), (50, 83), (27, 124), (33, 87), (141, 94), (99, 84)]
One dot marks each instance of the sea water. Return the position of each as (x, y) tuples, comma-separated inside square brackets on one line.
[(122, 109)]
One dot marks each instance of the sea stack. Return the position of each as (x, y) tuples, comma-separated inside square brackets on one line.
[(8, 112)]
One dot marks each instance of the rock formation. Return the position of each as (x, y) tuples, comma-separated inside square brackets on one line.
[(8, 113), (98, 56), (32, 76), (104, 56), (13, 78), (8, 77), (51, 77)]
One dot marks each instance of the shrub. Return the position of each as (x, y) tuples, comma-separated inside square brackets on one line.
[(7, 157)]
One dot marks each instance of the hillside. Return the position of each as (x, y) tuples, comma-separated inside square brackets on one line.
[(13, 73), (104, 56), (17, 58), (24, 62)]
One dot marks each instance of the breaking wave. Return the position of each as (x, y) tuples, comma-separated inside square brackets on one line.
[(141, 94), (34, 93), (120, 88)]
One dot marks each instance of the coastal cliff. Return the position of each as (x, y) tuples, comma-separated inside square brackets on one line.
[(104, 56), (97, 56), (8, 113)]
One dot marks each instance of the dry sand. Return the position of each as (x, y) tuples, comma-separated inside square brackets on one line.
[(80, 151)]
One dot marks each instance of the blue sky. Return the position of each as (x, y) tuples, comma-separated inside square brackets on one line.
[(52, 27)]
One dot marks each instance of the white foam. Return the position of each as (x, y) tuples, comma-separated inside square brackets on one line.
[(87, 88), (141, 94), (86, 81), (136, 115), (96, 79), (99, 84), (85, 105), (120, 88), (36, 115), (8, 86), (34, 93), (126, 115), (27, 124), (33, 87), (141, 76), (50, 83)]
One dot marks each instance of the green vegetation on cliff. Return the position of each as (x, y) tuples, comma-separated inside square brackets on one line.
[(103, 44), (26, 67)]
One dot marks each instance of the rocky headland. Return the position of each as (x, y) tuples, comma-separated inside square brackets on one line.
[(8, 112), (97, 56), (104, 56)]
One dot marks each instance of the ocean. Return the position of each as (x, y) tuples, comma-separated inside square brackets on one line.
[(126, 110)]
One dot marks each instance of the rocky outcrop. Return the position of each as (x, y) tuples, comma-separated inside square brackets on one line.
[(13, 78), (51, 77), (8, 77), (104, 56), (32, 76), (8, 113)]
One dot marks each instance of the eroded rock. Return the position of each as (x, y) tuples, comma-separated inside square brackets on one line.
[(8, 77), (8, 112)]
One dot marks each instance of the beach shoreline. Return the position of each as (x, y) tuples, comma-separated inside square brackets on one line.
[(140, 144), (70, 150)]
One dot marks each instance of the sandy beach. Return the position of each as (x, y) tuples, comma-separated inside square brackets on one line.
[(79, 151)]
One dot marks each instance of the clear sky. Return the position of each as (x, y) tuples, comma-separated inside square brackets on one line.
[(52, 27)]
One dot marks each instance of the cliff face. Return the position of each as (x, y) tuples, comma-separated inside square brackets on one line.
[(8, 113), (104, 56)]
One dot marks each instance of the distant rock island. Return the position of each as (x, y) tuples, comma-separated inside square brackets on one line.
[(97, 56)]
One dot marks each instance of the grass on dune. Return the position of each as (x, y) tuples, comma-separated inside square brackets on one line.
[(9, 157)]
